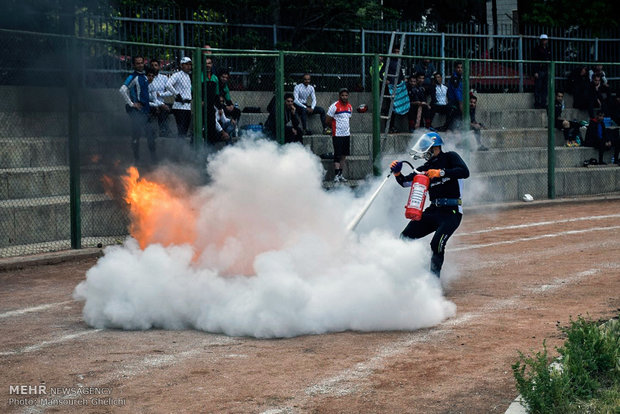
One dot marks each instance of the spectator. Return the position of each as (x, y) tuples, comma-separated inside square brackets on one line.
[(569, 128), (222, 137), (155, 107), (600, 94), (135, 92), (270, 124), (292, 131), (339, 115), (439, 100), (381, 70), (394, 76), (209, 74), (419, 108), (599, 137), (580, 85), (158, 87), (542, 53), (474, 125), (598, 70), (455, 98), (614, 108), (304, 92), (232, 110), (614, 114), (180, 85), (210, 95), (228, 125), (428, 69), (208, 53)]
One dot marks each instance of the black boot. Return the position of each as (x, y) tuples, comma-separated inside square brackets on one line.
[(436, 263)]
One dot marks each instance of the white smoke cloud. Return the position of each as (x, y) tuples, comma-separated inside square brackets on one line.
[(272, 258)]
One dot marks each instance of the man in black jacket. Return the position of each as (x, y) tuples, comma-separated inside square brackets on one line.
[(443, 216), (542, 53), (601, 138), (292, 129), (570, 129)]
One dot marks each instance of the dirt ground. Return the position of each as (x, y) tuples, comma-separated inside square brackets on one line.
[(521, 272)]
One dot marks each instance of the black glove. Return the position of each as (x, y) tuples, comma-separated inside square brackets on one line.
[(178, 98), (396, 166)]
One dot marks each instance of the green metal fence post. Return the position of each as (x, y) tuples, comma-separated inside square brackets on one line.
[(376, 117), (74, 148), (280, 98), (197, 98), (551, 132), (465, 84)]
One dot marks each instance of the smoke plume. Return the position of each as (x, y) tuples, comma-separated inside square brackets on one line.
[(266, 254)]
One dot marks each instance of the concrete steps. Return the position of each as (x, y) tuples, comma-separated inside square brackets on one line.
[(518, 159), (19, 152), (18, 183), (43, 219), (510, 185)]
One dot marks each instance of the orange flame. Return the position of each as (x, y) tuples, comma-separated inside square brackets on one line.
[(157, 214)]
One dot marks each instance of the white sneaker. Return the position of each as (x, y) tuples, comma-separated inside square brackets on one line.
[(342, 179), (337, 178)]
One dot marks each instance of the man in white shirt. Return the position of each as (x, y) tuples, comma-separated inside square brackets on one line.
[(180, 85), (304, 92), (439, 100), (158, 88), (227, 125), (339, 115)]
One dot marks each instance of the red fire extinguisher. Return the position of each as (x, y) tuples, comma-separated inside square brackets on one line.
[(417, 197)]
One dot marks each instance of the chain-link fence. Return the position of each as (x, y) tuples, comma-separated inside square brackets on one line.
[(70, 130)]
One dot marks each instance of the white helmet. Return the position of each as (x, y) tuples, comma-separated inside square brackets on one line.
[(422, 147)]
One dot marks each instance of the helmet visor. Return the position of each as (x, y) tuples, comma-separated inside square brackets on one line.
[(422, 146)]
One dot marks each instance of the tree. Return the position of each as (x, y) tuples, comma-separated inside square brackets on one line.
[(594, 15)]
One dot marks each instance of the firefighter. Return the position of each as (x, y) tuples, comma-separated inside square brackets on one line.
[(443, 216)]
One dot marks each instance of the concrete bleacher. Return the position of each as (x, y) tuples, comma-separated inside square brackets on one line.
[(34, 178)]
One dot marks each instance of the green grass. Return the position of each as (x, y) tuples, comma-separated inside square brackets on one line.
[(584, 378)]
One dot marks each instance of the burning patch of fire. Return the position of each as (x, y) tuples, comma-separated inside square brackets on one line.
[(157, 214)]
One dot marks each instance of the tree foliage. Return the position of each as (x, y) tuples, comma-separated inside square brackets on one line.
[(595, 15)]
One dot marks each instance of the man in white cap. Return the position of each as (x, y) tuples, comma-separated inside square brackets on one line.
[(542, 53), (180, 85)]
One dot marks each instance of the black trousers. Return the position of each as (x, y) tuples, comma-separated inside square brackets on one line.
[(570, 132), (454, 118), (540, 90), (303, 114), (443, 221), (441, 109), (184, 119), (289, 136), (162, 121)]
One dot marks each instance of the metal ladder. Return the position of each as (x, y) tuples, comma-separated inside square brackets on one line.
[(387, 75)]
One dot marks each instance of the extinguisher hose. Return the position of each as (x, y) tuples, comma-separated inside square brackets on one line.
[(412, 167), (363, 211)]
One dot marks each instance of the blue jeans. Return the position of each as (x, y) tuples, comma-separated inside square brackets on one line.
[(141, 123)]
